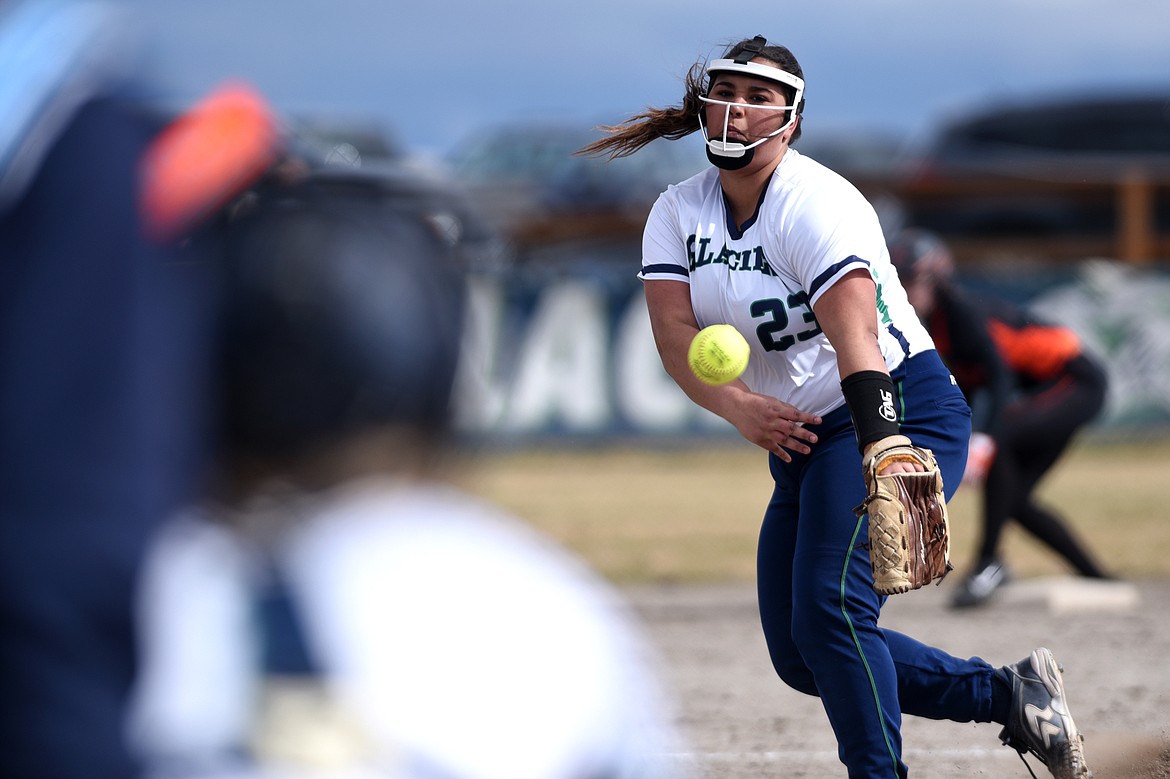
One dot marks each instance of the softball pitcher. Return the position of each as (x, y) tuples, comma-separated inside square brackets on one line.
[(792, 255)]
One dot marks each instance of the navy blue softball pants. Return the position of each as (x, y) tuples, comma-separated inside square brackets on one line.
[(817, 605)]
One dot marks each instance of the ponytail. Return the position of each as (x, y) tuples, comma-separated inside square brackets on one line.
[(672, 123)]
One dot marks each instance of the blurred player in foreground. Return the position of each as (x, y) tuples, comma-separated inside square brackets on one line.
[(1032, 388), (339, 610), (792, 255), (101, 346)]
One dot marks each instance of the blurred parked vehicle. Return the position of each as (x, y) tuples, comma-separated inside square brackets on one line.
[(539, 194), (1086, 176), (1038, 137)]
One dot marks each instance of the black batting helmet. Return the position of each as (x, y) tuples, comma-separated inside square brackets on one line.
[(339, 315)]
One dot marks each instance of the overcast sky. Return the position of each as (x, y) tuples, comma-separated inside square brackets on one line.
[(436, 71)]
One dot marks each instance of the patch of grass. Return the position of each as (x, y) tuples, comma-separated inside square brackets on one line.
[(692, 513)]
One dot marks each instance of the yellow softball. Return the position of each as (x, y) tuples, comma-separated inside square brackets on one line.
[(718, 354)]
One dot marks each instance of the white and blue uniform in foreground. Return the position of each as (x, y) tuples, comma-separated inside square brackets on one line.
[(817, 604), (419, 634)]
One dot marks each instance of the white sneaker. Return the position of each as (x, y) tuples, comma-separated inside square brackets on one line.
[(981, 585)]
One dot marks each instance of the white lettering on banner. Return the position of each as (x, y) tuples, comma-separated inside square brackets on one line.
[(643, 390), (480, 395), (556, 370), (562, 375)]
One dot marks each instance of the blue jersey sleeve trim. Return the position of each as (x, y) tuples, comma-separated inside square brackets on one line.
[(667, 268), (832, 271), (900, 338)]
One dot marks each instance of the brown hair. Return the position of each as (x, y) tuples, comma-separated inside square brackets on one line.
[(672, 123)]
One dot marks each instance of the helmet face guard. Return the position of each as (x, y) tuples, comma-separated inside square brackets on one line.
[(731, 155)]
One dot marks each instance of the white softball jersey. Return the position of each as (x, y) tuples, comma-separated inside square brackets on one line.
[(764, 277), (452, 639)]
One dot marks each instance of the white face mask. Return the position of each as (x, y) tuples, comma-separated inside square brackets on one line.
[(725, 148), (731, 155)]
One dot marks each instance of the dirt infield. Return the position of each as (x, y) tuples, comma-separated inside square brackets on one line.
[(678, 530), (740, 721)]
